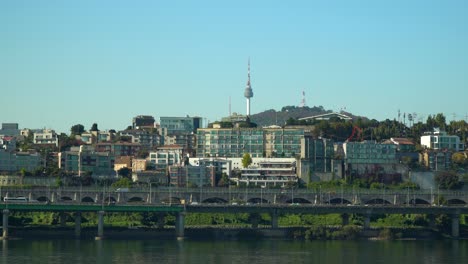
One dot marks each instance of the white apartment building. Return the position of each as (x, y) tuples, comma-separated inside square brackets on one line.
[(46, 136), (439, 140)]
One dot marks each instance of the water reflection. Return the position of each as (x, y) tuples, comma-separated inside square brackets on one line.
[(247, 252)]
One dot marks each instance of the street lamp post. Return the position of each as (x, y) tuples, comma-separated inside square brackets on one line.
[(150, 198), (261, 194), (292, 194)]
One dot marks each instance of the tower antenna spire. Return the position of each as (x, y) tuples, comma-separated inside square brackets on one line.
[(248, 93)]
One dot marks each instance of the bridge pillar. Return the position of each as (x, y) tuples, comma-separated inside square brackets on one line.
[(455, 225), (180, 225), (77, 225), (6, 213), (274, 219), (344, 219), (367, 221), (431, 221), (100, 235), (161, 221), (63, 219)]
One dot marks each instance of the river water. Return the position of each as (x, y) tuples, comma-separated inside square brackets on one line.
[(246, 252)]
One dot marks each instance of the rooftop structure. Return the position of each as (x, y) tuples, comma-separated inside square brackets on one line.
[(327, 116), (143, 121)]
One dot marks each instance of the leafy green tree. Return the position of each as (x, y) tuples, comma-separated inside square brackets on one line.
[(246, 160), (122, 183), (460, 159)]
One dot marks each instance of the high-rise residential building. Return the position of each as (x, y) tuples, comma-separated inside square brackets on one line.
[(258, 142)]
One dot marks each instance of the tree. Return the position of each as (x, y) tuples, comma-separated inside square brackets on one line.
[(124, 172), (94, 127), (246, 160), (142, 154), (224, 181), (77, 129), (448, 180), (122, 183), (460, 159)]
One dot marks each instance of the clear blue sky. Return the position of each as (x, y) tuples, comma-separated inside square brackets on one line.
[(82, 62)]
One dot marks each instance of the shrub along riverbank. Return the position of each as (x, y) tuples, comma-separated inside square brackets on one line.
[(305, 226)]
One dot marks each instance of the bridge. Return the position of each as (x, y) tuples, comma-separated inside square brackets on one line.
[(166, 195), (181, 201)]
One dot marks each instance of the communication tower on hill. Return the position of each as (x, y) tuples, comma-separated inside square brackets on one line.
[(303, 101)]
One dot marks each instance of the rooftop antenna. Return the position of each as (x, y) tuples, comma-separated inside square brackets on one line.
[(229, 105)]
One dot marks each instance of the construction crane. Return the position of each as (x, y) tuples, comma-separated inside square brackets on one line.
[(356, 132)]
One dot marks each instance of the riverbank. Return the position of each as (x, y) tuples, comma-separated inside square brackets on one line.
[(216, 233)]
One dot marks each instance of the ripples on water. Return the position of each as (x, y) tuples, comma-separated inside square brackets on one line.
[(245, 252)]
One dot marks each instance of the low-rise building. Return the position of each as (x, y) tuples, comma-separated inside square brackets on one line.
[(85, 160), (221, 165), (10, 129), (436, 159), (123, 162), (439, 140), (119, 148), (148, 138), (45, 137), (7, 143), (166, 156), (16, 161), (372, 159), (151, 177), (268, 172), (192, 176)]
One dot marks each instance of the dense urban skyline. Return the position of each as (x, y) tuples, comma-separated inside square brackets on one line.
[(66, 63)]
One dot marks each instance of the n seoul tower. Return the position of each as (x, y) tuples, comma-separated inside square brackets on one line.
[(248, 90)]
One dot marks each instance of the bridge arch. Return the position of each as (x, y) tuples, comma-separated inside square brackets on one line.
[(456, 202), (65, 199), (339, 200), (136, 199), (417, 201), (43, 199), (216, 200), (258, 201), (298, 200), (87, 199), (377, 201), (171, 200)]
